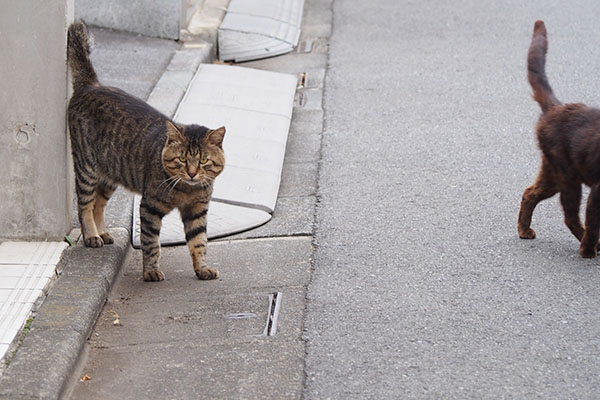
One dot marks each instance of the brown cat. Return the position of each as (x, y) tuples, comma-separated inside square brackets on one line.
[(569, 137), (118, 139)]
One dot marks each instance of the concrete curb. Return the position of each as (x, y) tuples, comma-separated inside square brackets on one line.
[(49, 351), (48, 356)]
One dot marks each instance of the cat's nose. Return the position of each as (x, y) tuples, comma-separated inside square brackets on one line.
[(192, 173)]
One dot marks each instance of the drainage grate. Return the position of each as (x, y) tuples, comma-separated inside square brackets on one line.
[(273, 315)]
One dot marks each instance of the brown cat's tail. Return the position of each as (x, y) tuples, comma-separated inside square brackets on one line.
[(536, 68), (78, 55)]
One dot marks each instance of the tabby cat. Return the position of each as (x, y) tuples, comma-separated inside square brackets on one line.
[(118, 139), (569, 137)]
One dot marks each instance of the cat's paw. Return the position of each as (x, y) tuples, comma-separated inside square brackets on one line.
[(106, 238), (527, 233), (588, 252), (206, 274), (94, 241), (154, 275)]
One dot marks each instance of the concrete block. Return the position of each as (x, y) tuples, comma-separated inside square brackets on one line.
[(36, 198), (40, 366)]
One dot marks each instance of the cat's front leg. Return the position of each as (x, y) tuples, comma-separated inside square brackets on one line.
[(151, 215), (194, 226)]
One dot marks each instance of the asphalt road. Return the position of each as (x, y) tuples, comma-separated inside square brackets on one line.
[(421, 286)]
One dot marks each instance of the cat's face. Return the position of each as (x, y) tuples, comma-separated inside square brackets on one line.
[(193, 154)]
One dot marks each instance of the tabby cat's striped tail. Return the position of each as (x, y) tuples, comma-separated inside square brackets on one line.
[(78, 55), (536, 68)]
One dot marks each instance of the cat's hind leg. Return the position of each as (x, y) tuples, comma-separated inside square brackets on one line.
[(570, 198), (589, 242), (544, 187), (104, 191), (85, 187), (194, 226)]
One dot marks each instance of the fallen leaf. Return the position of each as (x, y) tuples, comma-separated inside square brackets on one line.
[(117, 321)]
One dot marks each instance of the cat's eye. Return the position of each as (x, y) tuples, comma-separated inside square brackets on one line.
[(203, 160), (182, 159)]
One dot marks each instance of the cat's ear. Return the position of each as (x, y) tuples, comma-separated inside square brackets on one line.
[(174, 134), (215, 137)]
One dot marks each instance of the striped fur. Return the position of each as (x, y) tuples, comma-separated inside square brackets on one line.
[(117, 139)]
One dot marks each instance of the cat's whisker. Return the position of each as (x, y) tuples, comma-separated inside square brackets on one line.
[(175, 182), (167, 182)]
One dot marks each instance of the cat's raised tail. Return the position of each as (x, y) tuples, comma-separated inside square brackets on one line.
[(78, 55), (536, 68)]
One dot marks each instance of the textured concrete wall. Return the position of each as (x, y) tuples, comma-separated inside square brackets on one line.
[(35, 200), (157, 18)]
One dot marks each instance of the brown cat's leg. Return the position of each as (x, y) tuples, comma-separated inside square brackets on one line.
[(570, 198), (194, 226), (103, 193), (85, 186), (544, 187), (151, 215), (589, 243)]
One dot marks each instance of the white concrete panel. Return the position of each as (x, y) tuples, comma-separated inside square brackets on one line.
[(256, 109), (254, 29)]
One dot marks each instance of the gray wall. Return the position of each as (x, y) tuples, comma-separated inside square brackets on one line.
[(157, 18), (35, 182)]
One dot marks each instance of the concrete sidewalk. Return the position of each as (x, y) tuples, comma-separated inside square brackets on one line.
[(233, 348), (240, 336)]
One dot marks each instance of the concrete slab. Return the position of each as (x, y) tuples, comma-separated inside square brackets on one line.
[(257, 29), (262, 263), (228, 318), (299, 179), (266, 369), (303, 146)]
